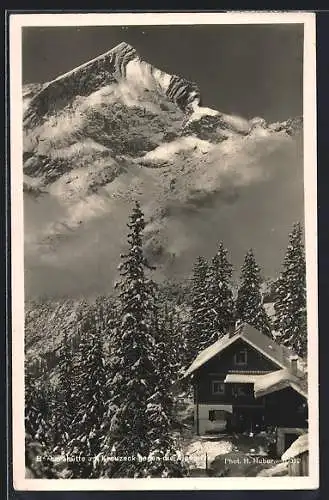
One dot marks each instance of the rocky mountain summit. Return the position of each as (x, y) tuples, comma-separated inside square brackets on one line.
[(115, 129)]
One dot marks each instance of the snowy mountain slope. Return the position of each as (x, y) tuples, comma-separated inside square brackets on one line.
[(116, 129), (48, 321)]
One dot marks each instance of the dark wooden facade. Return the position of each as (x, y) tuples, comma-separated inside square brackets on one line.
[(299, 466), (286, 408), (221, 365)]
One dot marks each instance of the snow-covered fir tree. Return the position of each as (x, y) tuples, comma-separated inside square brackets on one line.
[(182, 337), (34, 467), (249, 307), (171, 336), (33, 402), (290, 300), (166, 458), (65, 399), (220, 301), (90, 398), (138, 408), (172, 312), (40, 423), (199, 335), (105, 309)]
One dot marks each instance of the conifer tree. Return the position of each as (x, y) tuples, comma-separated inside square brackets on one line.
[(182, 338), (137, 410), (65, 394), (166, 458), (249, 303), (199, 334), (220, 301), (91, 396), (173, 331), (290, 301), (39, 424), (31, 403)]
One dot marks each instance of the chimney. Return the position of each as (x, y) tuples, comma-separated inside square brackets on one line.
[(234, 328), (293, 364)]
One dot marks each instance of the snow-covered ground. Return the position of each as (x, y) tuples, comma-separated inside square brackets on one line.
[(236, 455), (280, 469), (200, 450)]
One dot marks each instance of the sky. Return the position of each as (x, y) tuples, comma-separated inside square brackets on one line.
[(249, 70)]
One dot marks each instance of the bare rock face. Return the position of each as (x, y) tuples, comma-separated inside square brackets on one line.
[(116, 129)]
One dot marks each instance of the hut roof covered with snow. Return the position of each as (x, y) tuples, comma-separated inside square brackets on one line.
[(279, 354), (280, 379), (297, 448)]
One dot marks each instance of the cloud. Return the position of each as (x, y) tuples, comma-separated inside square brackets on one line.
[(244, 192)]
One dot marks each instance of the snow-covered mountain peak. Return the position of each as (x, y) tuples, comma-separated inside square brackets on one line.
[(120, 65)]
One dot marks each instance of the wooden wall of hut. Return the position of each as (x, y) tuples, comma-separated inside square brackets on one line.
[(298, 466)]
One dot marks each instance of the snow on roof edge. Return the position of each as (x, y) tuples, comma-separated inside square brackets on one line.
[(211, 351), (276, 381), (297, 448), (225, 341)]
